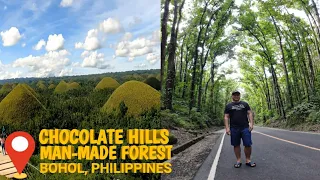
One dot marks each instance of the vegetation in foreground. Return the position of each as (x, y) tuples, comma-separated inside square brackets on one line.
[(77, 108), (277, 52)]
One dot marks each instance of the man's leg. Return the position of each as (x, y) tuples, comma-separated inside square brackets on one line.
[(237, 152), (247, 152), (247, 142), (235, 142)]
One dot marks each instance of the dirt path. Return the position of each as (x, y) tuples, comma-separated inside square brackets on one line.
[(186, 163)]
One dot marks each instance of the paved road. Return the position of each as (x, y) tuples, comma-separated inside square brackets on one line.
[(280, 155)]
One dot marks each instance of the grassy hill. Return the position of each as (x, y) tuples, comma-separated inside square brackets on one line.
[(137, 96), (107, 82), (19, 105)]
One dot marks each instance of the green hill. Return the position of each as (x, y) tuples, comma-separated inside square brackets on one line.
[(41, 85), (19, 105), (107, 82), (6, 88), (52, 86), (137, 96), (63, 87), (73, 85)]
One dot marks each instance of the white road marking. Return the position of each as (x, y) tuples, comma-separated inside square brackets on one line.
[(289, 130), (317, 149), (215, 162)]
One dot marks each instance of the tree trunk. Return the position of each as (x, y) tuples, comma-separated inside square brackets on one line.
[(267, 87), (164, 39), (185, 75), (171, 74), (181, 58), (315, 36), (206, 90), (212, 84), (314, 6), (195, 62), (314, 21), (284, 63)]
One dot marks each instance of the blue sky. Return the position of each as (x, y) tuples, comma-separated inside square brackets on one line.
[(72, 37)]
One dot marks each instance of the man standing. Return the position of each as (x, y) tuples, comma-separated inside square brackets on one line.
[(238, 113)]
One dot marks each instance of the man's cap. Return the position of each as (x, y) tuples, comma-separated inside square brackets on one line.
[(235, 92)]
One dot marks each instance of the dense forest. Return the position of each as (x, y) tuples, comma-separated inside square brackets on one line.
[(272, 45), (103, 101)]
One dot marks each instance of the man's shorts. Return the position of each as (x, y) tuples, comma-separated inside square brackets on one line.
[(240, 133)]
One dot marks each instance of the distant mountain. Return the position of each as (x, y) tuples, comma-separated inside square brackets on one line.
[(58, 79)]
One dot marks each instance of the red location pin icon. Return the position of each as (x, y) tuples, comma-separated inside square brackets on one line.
[(20, 147)]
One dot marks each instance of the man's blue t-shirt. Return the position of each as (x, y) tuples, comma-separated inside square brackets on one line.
[(238, 112)]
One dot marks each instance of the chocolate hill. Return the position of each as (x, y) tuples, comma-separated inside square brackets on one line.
[(19, 105), (137, 96), (63, 87), (107, 82)]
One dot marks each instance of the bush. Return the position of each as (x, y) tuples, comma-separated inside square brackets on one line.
[(153, 82), (268, 122), (300, 113), (172, 140), (198, 119), (314, 117)]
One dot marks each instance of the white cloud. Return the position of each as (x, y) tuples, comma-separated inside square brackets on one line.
[(2, 66), (75, 64), (136, 20), (39, 45), (138, 47), (127, 36), (122, 52), (91, 42), (153, 58), (110, 26), (65, 72), (23, 44), (66, 3), (55, 42), (141, 66), (78, 45), (10, 37), (94, 60), (52, 63), (156, 36), (84, 54), (140, 52), (10, 75)]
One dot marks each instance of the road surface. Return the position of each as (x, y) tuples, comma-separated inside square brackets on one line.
[(279, 155)]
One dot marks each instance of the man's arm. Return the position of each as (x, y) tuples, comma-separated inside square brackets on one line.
[(250, 114), (226, 123)]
